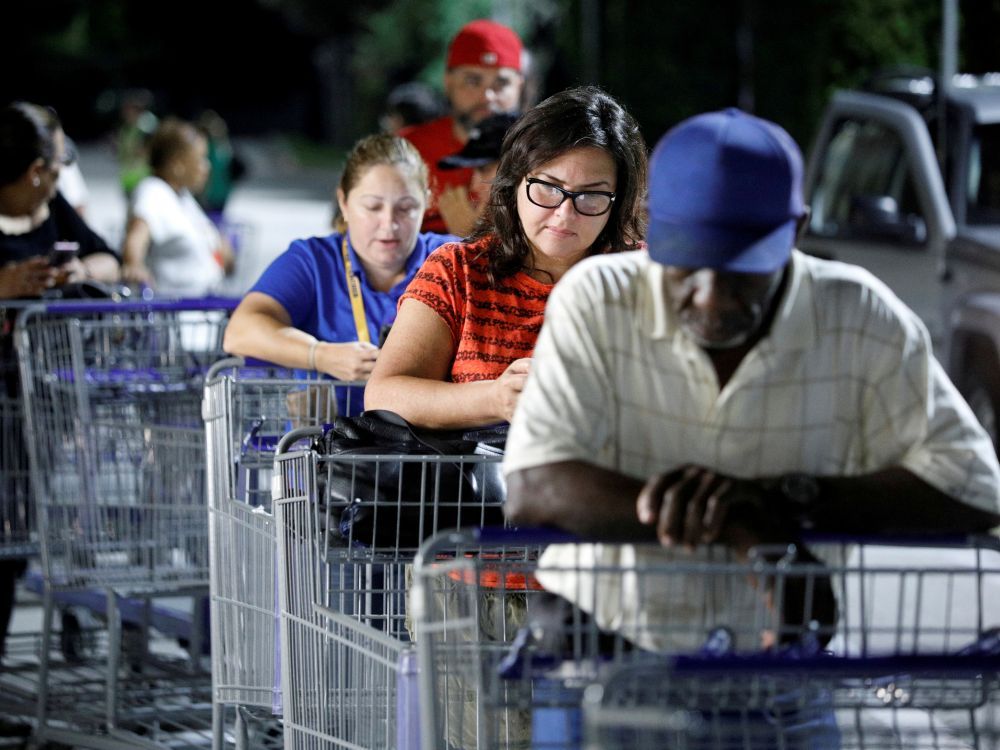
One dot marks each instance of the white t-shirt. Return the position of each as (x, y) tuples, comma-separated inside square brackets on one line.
[(183, 240)]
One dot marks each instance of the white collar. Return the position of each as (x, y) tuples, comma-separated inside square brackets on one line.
[(16, 225)]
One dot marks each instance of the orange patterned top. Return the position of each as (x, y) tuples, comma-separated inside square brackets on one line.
[(491, 325)]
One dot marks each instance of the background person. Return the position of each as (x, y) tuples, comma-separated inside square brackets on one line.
[(71, 182), (725, 388), (569, 185), (225, 167), (138, 123), (483, 76), (462, 205), (301, 312), (33, 217), (170, 244), (408, 104)]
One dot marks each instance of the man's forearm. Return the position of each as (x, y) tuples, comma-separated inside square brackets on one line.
[(893, 501), (578, 497)]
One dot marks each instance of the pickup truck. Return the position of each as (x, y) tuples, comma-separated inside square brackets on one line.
[(919, 205)]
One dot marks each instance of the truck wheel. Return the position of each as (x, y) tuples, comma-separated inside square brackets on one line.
[(982, 391)]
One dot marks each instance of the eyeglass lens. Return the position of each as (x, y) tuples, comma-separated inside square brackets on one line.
[(547, 195)]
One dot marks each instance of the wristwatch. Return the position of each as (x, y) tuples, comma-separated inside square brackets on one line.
[(802, 493)]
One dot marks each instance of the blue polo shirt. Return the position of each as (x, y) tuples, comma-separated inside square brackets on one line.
[(308, 281)]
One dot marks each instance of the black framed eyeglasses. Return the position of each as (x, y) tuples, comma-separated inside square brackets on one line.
[(586, 202)]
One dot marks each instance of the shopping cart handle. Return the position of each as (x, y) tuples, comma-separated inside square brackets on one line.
[(551, 535), (169, 305), (238, 363), (496, 535), (870, 667), (293, 436), (228, 363), (984, 541)]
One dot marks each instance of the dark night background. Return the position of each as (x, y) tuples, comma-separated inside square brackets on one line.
[(321, 70)]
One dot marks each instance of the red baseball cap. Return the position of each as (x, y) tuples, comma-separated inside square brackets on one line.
[(487, 43)]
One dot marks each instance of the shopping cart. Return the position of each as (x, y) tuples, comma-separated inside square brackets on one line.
[(347, 662), (247, 408), (505, 664), (763, 703), (17, 523), (112, 400)]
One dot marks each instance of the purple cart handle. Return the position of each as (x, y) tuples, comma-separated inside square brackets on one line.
[(541, 535), (173, 305)]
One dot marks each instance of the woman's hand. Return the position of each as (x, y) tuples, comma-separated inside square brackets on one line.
[(137, 273), (507, 388), (225, 256), (71, 271), (353, 360), (27, 278)]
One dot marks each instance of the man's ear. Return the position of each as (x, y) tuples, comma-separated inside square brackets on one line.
[(802, 223)]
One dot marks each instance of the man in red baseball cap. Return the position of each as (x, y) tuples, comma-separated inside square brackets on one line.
[(483, 77)]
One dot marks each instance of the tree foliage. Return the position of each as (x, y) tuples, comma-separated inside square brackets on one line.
[(324, 69)]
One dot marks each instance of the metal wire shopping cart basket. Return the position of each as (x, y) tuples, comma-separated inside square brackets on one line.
[(247, 407), (514, 626), (112, 397), (347, 659)]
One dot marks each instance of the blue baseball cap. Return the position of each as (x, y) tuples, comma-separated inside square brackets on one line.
[(725, 192)]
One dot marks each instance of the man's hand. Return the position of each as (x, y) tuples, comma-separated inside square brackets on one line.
[(507, 388), (692, 506), (457, 210)]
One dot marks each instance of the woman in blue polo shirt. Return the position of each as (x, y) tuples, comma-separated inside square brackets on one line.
[(323, 303)]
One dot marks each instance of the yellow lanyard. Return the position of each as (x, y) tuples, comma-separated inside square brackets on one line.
[(354, 289)]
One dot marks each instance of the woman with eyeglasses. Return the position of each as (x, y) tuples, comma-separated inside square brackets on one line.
[(569, 185), (35, 220), (34, 216)]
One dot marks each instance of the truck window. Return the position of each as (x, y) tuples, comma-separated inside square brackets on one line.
[(865, 190), (984, 176)]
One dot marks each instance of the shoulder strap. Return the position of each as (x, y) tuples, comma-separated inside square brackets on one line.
[(389, 424), (354, 290)]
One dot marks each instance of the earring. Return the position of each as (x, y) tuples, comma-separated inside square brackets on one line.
[(35, 181)]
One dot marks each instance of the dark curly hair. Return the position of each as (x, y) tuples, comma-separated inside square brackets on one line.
[(27, 133), (574, 118)]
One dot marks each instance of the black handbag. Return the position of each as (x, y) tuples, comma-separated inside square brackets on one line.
[(389, 484)]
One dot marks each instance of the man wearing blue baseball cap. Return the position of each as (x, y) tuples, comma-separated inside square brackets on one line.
[(723, 387)]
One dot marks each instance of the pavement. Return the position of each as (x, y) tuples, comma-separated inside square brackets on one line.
[(278, 200)]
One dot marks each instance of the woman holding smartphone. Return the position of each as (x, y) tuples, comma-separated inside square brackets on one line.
[(43, 244), (34, 216)]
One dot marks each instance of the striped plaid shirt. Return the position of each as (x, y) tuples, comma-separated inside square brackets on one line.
[(845, 383)]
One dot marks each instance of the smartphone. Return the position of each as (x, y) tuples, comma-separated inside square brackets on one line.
[(63, 252)]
